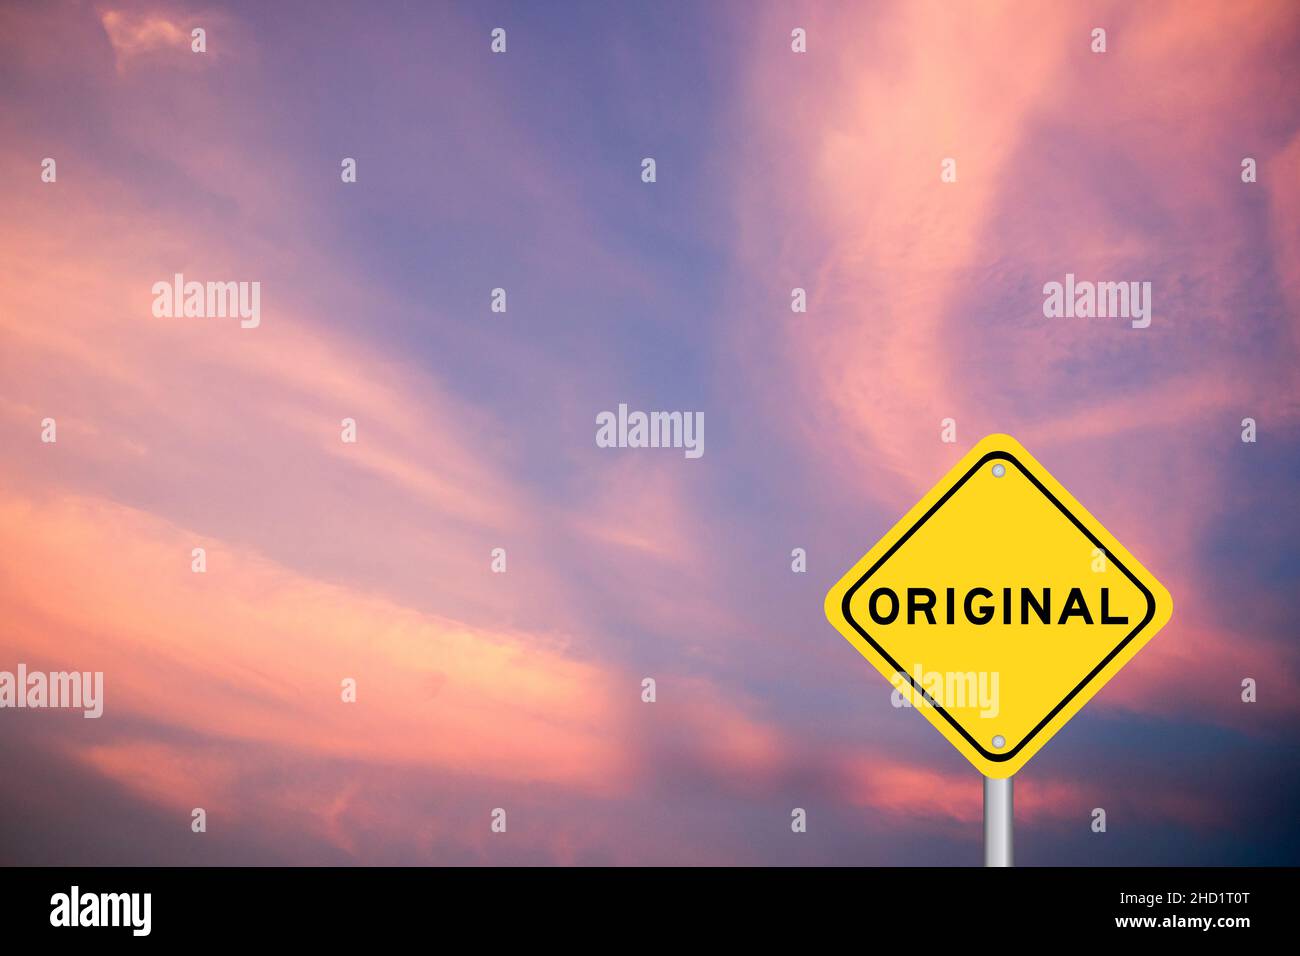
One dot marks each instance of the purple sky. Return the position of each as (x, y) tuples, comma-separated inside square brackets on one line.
[(372, 561)]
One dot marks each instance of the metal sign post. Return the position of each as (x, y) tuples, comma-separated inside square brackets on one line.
[(998, 818)]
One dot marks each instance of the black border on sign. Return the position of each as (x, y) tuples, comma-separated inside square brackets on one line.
[(1008, 754)]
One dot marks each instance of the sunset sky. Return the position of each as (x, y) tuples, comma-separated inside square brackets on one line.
[(522, 170)]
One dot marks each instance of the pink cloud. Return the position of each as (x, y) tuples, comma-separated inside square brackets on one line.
[(254, 652)]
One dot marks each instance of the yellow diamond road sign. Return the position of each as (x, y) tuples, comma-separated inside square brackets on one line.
[(998, 606)]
